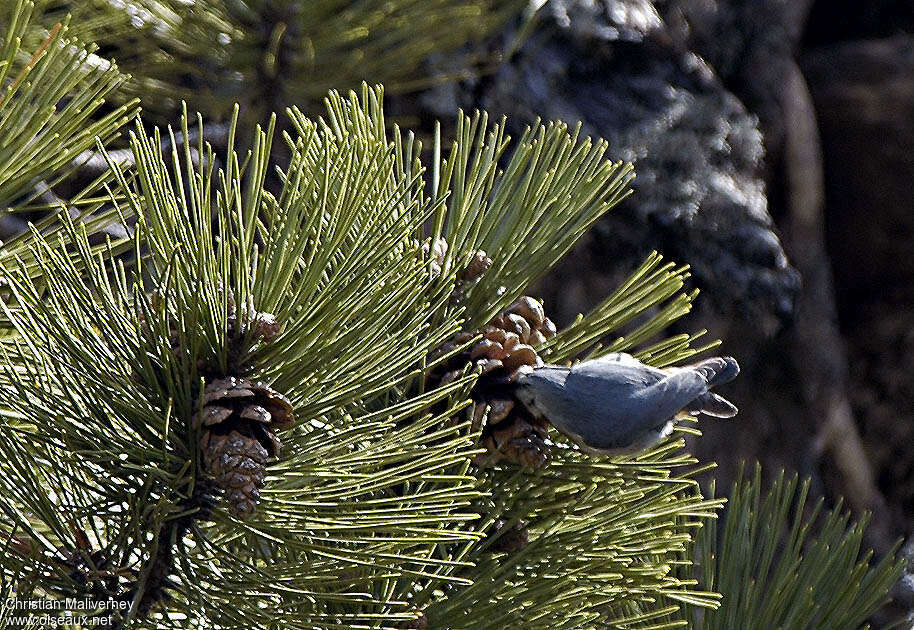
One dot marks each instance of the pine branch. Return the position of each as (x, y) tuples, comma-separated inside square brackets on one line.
[(50, 108), (781, 563), (603, 535), (105, 378), (554, 186)]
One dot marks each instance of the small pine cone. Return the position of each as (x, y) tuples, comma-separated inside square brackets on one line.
[(508, 539), (470, 275), (238, 463), (239, 423), (477, 267), (264, 325), (508, 346), (516, 440)]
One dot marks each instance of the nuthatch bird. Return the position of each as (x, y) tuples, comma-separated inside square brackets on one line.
[(617, 404)]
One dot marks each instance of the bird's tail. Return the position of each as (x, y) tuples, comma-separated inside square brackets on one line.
[(715, 405), (717, 370)]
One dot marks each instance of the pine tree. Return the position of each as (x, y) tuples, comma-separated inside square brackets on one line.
[(234, 416)]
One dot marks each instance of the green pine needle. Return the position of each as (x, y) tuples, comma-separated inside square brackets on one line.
[(780, 562)]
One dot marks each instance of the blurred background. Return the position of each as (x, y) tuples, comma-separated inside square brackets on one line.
[(773, 142)]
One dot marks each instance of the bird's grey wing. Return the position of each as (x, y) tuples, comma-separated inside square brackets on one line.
[(643, 394), (617, 367), (664, 399), (618, 358), (573, 410)]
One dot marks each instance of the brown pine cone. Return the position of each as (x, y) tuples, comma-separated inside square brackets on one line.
[(470, 275), (479, 263), (264, 325), (518, 440), (477, 267), (239, 423), (238, 463), (509, 343)]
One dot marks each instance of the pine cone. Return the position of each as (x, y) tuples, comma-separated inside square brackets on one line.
[(264, 325), (467, 277), (239, 422), (471, 275), (509, 342)]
